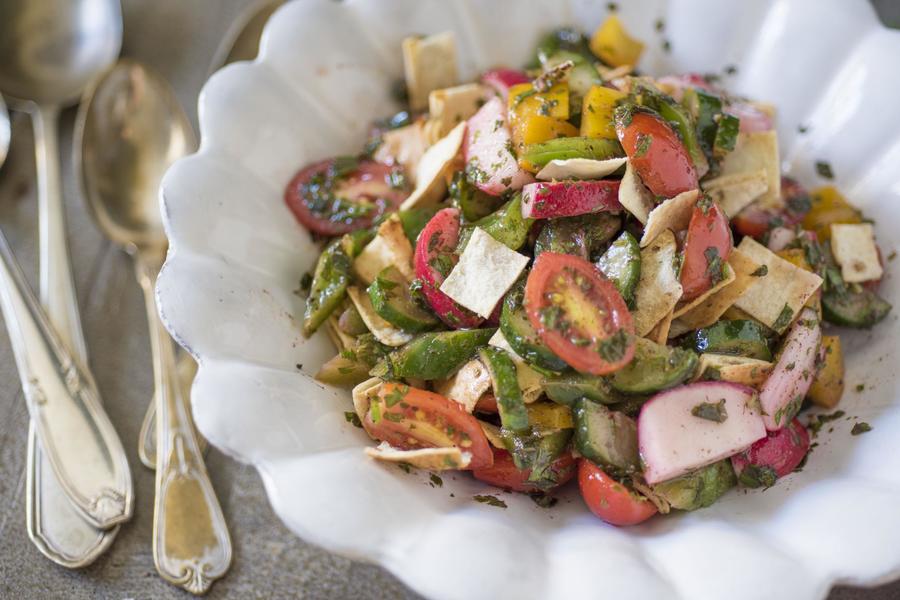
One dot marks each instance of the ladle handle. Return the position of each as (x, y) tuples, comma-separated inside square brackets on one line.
[(57, 286), (191, 543)]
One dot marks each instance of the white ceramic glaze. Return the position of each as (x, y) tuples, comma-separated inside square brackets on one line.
[(236, 256)]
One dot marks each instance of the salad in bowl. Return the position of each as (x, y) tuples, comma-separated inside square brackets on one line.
[(574, 271)]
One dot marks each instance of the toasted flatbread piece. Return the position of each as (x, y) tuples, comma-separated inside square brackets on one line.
[(634, 195), (736, 369), (735, 192), (432, 459), (686, 307), (448, 107), (492, 433), (580, 168), (389, 247), (660, 332), (674, 214), (404, 146), (855, 251), (467, 385), (658, 289), (775, 298), (429, 63), (383, 331), (435, 168), (753, 152), (363, 393)]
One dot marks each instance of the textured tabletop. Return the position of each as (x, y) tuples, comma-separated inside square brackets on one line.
[(178, 38)]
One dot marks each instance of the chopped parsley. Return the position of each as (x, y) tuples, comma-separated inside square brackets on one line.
[(490, 500), (860, 387), (788, 411), (353, 418), (762, 271), (405, 467), (860, 428), (543, 500), (818, 421), (644, 140), (396, 396), (824, 169), (715, 267), (784, 318), (754, 476), (613, 348), (436, 481), (731, 70), (711, 411)]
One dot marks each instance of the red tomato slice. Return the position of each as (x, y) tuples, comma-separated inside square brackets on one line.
[(433, 261), (579, 314), (370, 184), (504, 473), (487, 404), (609, 499), (706, 248), (410, 419), (657, 153)]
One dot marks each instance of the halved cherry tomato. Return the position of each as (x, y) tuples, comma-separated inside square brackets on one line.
[(609, 499), (410, 419), (336, 196), (433, 261), (579, 313), (756, 221), (706, 248), (487, 404), (504, 473), (656, 152)]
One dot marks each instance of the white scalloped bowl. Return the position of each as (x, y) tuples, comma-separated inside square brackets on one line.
[(237, 254)]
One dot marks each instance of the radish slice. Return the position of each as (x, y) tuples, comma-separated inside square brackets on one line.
[(569, 198), (503, 79), (783, 392), (780, 238), (777, 454), (675, 85), (433, 261), (695, 425), (490, 163), (752, 118)]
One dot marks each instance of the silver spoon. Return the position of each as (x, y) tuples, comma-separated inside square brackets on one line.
[(5, 131), (240, 43), (130, 129), (50, 49)]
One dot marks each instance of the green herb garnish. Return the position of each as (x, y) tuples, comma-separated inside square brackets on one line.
[(353, 418), (754, 476), (824, 169), (490, 500), (784, 318), (711, 411), (860, 428)]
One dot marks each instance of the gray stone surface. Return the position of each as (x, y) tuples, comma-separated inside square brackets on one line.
[(178, 37)]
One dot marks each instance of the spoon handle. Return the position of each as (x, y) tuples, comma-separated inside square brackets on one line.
[(77, 437), (191, 543)]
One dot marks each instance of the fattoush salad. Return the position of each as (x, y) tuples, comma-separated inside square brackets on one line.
[(574, 270)]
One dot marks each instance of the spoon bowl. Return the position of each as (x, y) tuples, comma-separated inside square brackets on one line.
[(51, 49), (131, 128), (5, 132)]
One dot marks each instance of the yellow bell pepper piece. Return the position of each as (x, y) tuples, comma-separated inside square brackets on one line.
[(525, 102), (797, 257), (829, 206), (612, 44), (597, 112), (828, 386), (538, 129), (549, 415)]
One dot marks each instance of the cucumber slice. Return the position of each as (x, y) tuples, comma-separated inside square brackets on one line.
[(621, 263), (700, 488), (435, 355), (584, 235), (535, 450), (351, 367), (569, 387), (329, 286), (472, 203), (606, 438), (860, 310), (654, 368), (740, 337), (392, 301), (572, 147), (505, 382), (522, 337), (351, 323), (506, 225), (414, 220)]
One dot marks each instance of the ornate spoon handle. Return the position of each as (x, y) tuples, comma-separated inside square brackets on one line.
[(191, 544), (77, 437)]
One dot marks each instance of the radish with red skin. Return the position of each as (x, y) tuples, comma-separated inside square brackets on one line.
[(676, 434), (551, 200), (781, 451), (752, 118), (679, 83), (433, 260), (783, 392), (501, 80), (490, 164)]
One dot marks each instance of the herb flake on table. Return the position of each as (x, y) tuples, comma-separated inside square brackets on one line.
[(489, 500), (860, 428), (436, 481), (824, 169), (818, 421), (353, 418)]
